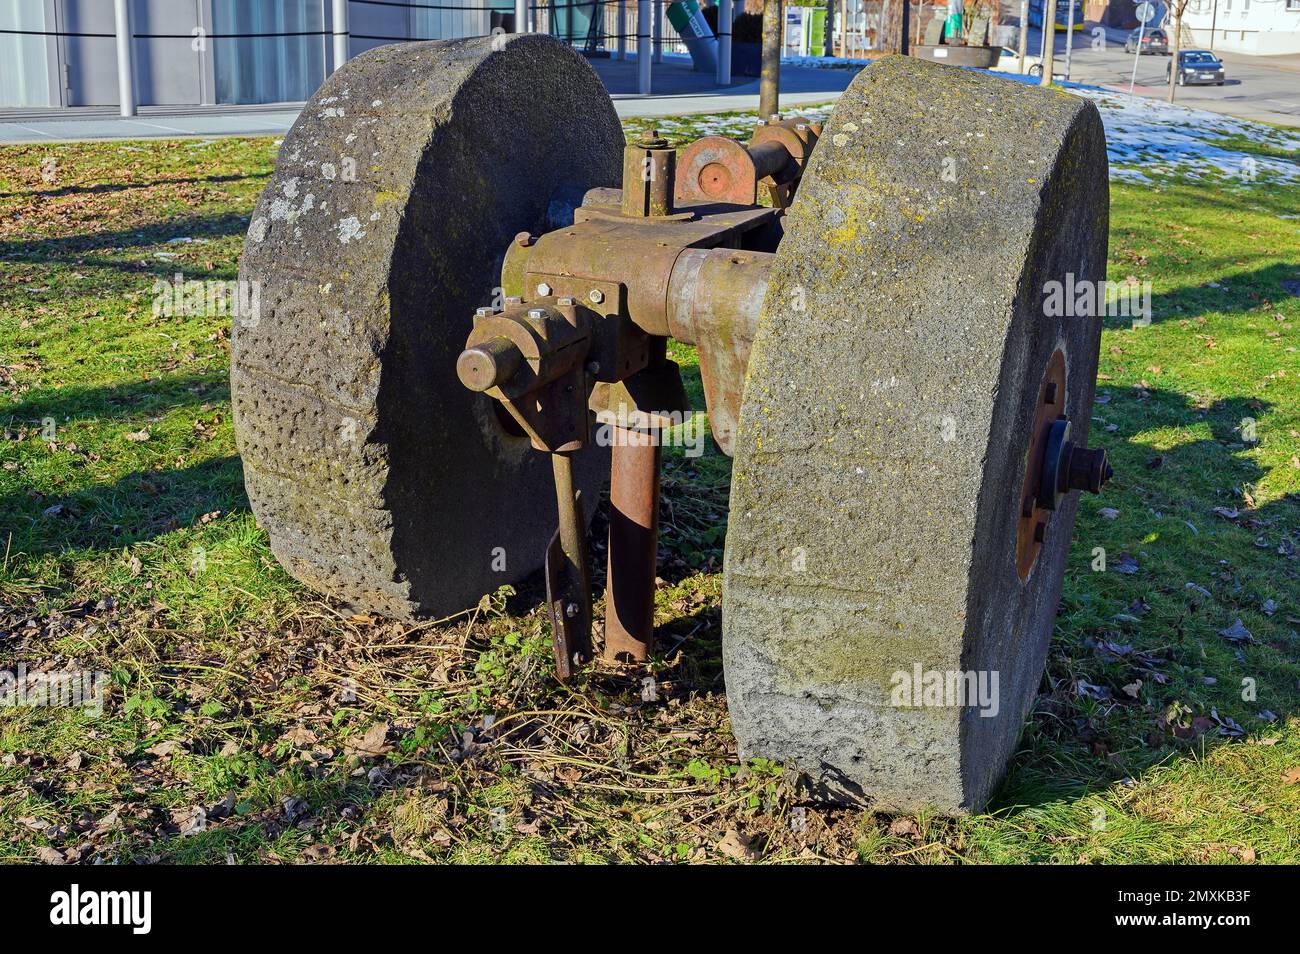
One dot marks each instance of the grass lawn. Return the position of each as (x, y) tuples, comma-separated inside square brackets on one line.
[(247, 719)]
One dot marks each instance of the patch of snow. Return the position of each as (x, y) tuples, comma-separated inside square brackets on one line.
[(1146, 137)]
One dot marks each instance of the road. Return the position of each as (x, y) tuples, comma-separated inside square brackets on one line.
[(1260, 88)]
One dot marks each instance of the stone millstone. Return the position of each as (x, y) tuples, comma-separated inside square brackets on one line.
[(885, 429), (380, 479)]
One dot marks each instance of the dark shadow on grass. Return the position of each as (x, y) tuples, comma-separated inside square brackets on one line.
[(151, 396), (141, 506), (70, 246), (1238, 293), (1158, 625), (105, 187)]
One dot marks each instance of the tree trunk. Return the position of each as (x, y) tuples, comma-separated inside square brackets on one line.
[(769, 81), (891, 29), (1049, 41), (828, 41), (1173, 52)]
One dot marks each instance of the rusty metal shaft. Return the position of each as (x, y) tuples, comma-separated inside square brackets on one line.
[(633, 544)]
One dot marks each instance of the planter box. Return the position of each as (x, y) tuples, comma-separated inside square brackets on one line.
[(980, 57)]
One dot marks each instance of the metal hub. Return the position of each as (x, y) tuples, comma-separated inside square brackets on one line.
[(1054, 467)]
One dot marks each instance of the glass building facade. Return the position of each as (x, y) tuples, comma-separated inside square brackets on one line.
[(57, 53)]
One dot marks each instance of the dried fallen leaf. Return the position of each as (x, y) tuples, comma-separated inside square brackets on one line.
[(904, 828), (1292, 776), (1237, 633), (163, 749), (138, 437), (299, 737), (369, 746), (735, 845), (1126, 564)]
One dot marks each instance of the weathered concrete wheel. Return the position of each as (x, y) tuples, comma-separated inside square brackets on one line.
[(380, 478), (896, 386)]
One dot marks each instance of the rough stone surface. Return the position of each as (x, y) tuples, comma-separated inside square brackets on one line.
[(885, 429), (380, 479)]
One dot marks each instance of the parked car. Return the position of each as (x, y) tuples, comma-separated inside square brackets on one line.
[(1152, 41), (1009, 62), (1199, 67)]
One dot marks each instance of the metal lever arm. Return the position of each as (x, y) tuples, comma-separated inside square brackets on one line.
[(568, 576)]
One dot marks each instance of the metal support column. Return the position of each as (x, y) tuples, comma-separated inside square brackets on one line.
[(643, 47), (125, 67), (341, 33), (620, 51), (659, 32), (521, 16), (724, 42), (633, 544)]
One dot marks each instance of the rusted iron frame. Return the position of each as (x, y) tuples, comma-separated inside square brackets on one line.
[(579, 317), (685, 286)]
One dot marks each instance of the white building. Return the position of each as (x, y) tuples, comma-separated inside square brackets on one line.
[(64, 53), (1266, 27)]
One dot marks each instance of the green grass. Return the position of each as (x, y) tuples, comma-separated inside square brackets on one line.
[(303, 732)]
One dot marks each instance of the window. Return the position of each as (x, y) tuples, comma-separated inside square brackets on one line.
[(268, 68), (24, 58)]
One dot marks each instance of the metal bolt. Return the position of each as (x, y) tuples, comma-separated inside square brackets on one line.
[(801, 127), (570, 610), (543, 290), (524, 239), (649, 134), (596, 296), (774, 118), (1087, 468), (514, 300), (482, 312), (593, 367), (537, 313), (565, 302)]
